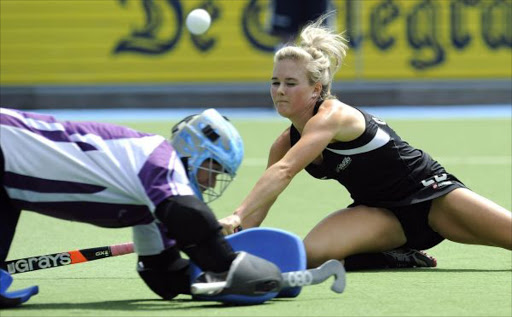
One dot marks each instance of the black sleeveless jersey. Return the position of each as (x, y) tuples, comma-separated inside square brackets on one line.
[(380, 169)]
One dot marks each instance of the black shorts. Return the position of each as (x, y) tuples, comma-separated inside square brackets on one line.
[(289, 16), (414, 216), (414, 221), (9, 216)]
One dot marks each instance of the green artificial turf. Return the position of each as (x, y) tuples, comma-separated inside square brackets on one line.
[(469, 280)]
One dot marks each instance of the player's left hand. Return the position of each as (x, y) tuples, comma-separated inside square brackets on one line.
[(230, 224)]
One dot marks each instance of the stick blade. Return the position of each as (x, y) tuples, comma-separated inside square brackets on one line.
[(339, 283), (13, 298), (330, 268)]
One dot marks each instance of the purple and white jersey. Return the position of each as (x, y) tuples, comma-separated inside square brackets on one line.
[(99, 173)]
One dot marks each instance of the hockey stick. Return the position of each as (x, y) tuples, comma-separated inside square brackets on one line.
[(290, 279), (49, 261), (34, 263)]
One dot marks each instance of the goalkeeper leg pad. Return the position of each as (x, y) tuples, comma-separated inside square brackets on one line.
[(248, 275)]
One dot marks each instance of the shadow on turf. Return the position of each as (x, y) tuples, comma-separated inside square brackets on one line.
[(129, 305)]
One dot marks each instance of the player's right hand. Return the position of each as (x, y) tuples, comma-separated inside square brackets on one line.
[(230, 224)]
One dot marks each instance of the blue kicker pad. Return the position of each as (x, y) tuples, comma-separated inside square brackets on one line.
[(14, 298), (284, 249)]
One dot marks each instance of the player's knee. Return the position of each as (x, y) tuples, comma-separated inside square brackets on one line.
[(315, 252), (166, 274), (315, 258)]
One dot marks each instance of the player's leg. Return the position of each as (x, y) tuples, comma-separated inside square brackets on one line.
[(8, 219), (420, 236), (198, 234), (466, 217), (392, 259), (354, 230), (166, 274), (9, 216)]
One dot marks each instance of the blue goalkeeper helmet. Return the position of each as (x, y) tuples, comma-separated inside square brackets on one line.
[(208, 142)]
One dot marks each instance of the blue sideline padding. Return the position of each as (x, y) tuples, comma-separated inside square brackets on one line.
[(14, 298), (283, 248)]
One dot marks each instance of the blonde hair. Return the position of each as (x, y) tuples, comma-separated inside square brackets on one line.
[(321, 49)]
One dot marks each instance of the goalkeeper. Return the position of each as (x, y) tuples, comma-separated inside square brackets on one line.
[(112, 176)]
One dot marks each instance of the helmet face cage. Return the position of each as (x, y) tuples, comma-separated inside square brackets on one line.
[(213, 150), (217, 180)]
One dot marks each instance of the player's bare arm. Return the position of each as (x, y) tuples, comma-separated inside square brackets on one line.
[(317, 133), (278, 149)]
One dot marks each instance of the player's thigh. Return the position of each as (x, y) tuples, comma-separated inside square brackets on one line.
[(354, 230), (464, 216)]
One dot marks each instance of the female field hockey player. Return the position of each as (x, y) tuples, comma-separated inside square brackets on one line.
[(113, 176), (402, 198)]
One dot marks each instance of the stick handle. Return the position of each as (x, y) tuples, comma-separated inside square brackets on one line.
[(122, 248), (317, 276), (67, 258)]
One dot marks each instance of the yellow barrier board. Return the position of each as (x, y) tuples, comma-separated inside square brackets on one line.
[(411, 39), (146, 41)]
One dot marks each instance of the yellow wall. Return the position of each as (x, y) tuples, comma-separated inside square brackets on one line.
[(109, 41)]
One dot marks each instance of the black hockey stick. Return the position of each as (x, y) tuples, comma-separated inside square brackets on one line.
[(67, 258)]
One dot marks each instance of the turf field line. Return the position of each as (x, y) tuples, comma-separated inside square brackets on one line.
[(451, 160), (426, 112), (76, 278)]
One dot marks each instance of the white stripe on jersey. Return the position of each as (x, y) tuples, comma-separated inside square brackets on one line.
[(381, 138), (34, 123), (115, 166)]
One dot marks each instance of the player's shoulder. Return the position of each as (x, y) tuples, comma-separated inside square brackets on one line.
[(337, 110), (334, 106), (331, 114)]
